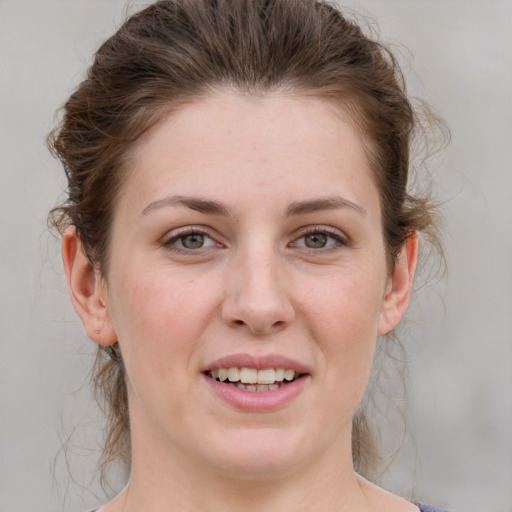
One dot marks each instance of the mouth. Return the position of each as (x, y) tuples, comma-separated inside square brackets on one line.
[(254, 380)]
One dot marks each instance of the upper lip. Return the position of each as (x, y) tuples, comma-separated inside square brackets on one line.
[(259, 362)]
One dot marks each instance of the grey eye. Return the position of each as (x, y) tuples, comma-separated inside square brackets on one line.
[(192, 241), (319, 239), (316, 240)]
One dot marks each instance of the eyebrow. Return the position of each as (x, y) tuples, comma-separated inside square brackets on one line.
[(215, 208), (327, 203), (194, 203)]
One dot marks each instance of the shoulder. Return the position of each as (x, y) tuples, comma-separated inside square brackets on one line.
[(429, 508)]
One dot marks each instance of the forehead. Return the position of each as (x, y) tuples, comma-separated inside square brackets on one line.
[(263, 143)]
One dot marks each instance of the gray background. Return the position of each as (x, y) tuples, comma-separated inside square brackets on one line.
[(458, 452)]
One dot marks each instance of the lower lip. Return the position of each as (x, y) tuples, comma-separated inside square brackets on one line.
[(257, 401)]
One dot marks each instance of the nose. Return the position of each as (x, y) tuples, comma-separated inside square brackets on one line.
[(257, 295)]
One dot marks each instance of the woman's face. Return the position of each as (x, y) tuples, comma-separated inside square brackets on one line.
[(247, 244)]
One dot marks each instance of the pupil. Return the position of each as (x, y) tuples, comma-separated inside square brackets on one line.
[(193, 241), (316, 240)]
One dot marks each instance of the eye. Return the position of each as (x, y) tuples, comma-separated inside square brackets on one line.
[(320, 238), (316, 240), (191, 240)]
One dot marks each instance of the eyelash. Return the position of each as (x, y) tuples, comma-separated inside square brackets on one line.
[(170, 243), (338, 239)]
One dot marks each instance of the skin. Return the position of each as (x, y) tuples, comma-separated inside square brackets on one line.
[(262, 283)]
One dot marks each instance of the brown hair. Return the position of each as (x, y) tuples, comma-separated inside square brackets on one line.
[(176, 50)]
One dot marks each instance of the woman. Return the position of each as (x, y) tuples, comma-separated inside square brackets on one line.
[(238, 233)]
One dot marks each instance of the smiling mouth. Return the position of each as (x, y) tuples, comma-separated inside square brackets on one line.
[(251, 379)]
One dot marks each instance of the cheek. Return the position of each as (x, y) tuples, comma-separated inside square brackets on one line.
[(344, 316), (159, 321), (346, 305)]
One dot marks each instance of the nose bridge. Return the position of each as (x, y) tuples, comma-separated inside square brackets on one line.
[(261, 276), (257, 293)]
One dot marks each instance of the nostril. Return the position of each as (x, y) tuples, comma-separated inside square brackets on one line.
[(238, 322)]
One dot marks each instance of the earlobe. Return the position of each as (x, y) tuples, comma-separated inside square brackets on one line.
[(87, 290), (399, 289)]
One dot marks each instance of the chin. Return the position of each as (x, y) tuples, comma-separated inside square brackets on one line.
[(258, 456)]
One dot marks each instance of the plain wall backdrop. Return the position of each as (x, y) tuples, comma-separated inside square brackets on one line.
[(457, 54)]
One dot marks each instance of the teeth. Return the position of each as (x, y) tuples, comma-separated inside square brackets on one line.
[(258, 387), (248, 376), (280, 374), (233, 374), (289, 374), (246, 387), (266, 376)]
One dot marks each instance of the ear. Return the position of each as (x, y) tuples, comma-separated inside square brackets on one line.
[(87, 290), (399, 287)]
